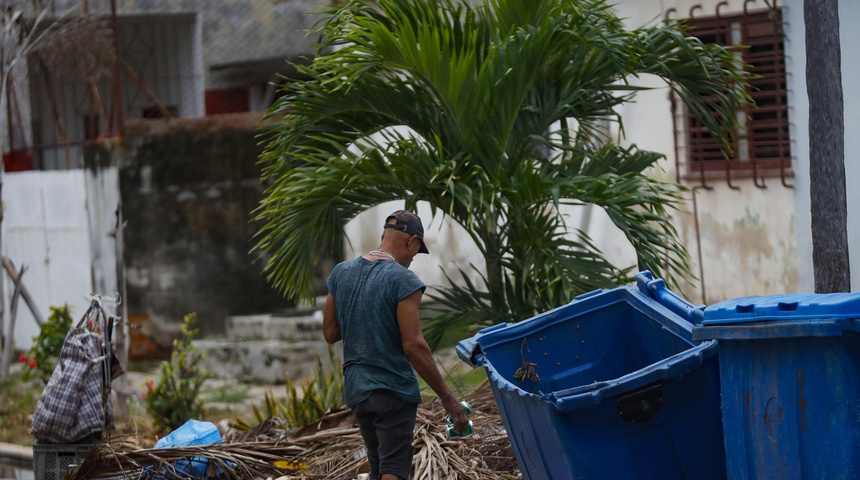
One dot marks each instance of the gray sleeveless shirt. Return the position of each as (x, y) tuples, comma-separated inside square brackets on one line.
[(366, 295)]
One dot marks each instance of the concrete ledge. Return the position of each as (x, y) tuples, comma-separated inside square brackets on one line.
[(262, 361), (16, 456), (273, 327)]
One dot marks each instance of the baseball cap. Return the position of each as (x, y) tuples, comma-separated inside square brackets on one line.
[(407, 222)]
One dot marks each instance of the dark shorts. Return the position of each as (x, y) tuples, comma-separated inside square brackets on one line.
[(387, 424)]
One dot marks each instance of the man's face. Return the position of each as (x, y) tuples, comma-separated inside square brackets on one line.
[(412, 247)]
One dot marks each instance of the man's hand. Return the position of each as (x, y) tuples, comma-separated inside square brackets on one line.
[(458, 415)]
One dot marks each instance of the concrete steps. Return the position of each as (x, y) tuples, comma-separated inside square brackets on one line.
[(267, 348), (271, 327)]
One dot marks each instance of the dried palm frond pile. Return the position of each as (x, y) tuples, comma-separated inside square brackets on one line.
[(228, 461), (330, 448)]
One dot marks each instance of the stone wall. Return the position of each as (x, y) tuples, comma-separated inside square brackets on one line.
[(188, 189)]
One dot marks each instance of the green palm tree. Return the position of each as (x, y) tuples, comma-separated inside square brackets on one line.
[(494, 115)]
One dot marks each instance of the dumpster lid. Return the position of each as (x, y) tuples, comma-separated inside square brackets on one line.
[(781, 316), (745, 310)]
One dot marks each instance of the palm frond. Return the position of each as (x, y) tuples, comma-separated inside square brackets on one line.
[(493, 115)]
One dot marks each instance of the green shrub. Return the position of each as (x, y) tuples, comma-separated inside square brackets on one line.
[(43, 355), (321, 393), (175, 397)]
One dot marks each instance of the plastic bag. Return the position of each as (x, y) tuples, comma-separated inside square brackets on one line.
[(192, 432)]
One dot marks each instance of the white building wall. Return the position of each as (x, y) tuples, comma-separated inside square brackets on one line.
[(59, 225), (849, 12), (449, 245), (45, 229), (742, 242)]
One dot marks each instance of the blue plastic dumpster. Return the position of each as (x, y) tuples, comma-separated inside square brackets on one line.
[(790, 370), (610, 386)]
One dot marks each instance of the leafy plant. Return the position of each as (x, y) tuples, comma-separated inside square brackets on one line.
[(495, 115), (43, 355), (321, 393), (175, 397)]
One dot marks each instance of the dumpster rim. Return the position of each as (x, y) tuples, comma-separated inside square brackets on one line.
[(631, 295)]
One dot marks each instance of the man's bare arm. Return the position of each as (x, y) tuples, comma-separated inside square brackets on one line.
[(331, 331), (421, 358)]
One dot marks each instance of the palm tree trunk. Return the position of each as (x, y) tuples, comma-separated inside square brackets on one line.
[(826, 147), (495, 281)]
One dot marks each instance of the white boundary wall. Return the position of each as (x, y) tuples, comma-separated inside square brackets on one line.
[(59, 224)]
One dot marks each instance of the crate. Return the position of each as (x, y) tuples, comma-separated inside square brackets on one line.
[(50, 460)]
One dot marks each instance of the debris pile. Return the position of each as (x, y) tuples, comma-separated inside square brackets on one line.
[(330, 448)]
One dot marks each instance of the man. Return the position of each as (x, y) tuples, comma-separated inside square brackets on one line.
[(372, 306)]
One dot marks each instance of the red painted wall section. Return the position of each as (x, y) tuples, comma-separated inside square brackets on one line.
[(228, 100)]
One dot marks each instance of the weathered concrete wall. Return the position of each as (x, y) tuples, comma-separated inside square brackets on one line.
[(188, 188)]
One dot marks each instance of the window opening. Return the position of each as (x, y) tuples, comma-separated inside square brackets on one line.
[(762, 145)]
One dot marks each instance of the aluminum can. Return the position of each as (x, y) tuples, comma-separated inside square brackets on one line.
[(466, 407), (449, 431)]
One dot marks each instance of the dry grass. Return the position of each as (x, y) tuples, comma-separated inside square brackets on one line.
[(328, 449), (17, 402)]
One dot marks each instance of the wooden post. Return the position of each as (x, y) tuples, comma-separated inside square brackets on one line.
[(117, 97), (121, 329), (9, 340), (25, 294)]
